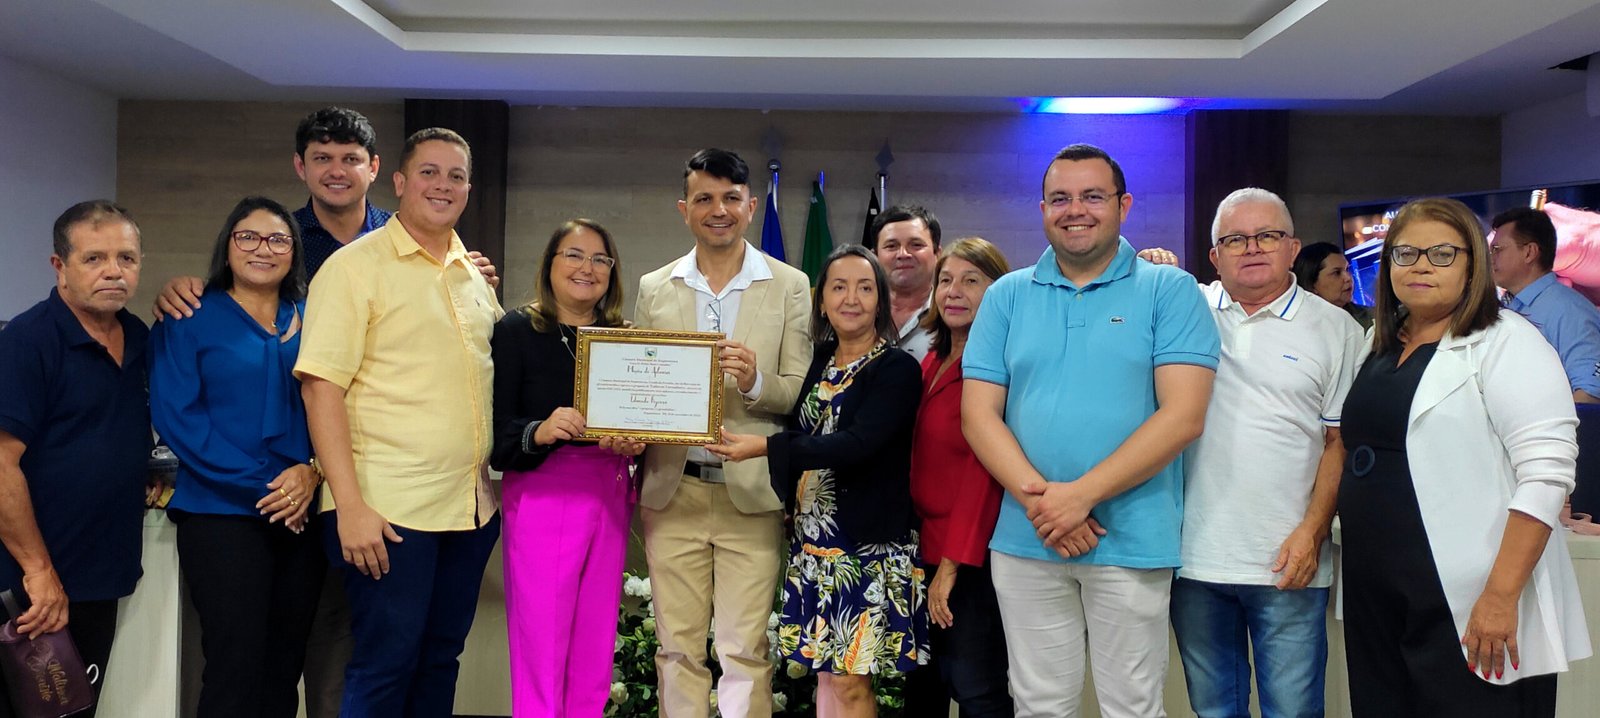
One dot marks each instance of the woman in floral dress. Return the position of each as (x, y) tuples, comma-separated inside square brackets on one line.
[(853, 597)]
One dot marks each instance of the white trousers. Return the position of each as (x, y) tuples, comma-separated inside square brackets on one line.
[(1048, 608)]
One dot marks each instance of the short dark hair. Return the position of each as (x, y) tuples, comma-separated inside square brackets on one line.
[(94, 212), (336, 125), (1531, 225), (542, 311), (821, 330), (430, 134), (1308, 264), (721, 164), (903, 213), (1080, 152), (220, 278)]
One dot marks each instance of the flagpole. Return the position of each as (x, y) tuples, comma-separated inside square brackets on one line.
[(774, 166)]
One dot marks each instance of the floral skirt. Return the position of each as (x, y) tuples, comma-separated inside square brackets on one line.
[(850, 610)]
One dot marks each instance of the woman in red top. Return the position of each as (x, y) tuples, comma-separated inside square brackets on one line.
[(958, 502)]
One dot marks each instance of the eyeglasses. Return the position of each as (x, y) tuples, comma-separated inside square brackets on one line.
[(1439, 255), (277, 242), (575, 259), (1090, 200), (1238, 243)]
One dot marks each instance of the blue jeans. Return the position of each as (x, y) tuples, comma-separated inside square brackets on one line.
[(1217, 625), (409, 628)]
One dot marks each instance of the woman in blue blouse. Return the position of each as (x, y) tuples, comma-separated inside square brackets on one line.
[(223, 397)]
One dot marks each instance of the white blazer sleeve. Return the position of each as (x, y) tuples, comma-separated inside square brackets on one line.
[(1530, 407)]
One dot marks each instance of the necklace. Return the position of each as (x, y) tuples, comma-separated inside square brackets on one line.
[(562, 330), (271, 326)]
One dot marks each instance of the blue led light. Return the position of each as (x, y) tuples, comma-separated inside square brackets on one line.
[(1102, 105)]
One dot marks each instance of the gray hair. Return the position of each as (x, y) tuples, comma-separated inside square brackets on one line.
[(1251, 195)]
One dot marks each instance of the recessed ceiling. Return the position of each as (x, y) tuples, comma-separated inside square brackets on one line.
[(1416, 56)]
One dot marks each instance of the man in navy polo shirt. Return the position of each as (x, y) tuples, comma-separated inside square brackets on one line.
[(1086, 376), (75, 436)]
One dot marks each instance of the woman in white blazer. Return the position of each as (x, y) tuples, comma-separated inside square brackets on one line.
[(1460, 432)]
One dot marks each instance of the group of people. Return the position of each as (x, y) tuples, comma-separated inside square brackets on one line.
[(996, 481)]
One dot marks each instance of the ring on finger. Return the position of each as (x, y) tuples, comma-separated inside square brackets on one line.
[(283, 491)]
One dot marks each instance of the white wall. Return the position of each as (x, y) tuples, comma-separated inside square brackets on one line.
[(59, 148), (1553, 142)]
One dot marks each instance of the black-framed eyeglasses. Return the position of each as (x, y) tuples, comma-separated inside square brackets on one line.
[(575, 259), (1439, 255), (1238, 243), (1092, 200), (249, 241)]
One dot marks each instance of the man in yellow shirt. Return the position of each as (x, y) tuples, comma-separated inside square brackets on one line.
[(397, 376)]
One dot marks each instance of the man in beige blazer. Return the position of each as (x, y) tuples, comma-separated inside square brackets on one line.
[(714, 538)]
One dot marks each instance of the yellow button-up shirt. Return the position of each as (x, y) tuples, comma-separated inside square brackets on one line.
[(407, 337)]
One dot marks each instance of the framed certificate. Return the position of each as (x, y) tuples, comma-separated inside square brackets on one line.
[(658, 387)]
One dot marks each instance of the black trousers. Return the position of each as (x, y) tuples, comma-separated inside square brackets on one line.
[(92, 624), (254, 586), (967, 661)]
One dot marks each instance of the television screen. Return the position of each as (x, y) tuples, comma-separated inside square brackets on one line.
[(1575, 209)]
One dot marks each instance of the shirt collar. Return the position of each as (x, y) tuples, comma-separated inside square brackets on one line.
[(1522, 299), (375, 218), (916, 319), (1048, 272), (405, 245), (1285, 306), (754, 269)]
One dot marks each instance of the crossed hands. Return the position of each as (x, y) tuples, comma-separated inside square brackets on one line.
[(1060, 515)]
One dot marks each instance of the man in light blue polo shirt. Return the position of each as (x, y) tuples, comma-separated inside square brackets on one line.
[(1086, 376), (1522, 253)]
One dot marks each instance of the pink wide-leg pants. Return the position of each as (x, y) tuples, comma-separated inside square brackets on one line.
[(566, 539)]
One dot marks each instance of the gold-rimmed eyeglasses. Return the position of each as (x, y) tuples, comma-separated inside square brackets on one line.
[(575, 259)]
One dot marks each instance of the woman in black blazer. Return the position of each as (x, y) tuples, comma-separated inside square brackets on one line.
[(853, 597)]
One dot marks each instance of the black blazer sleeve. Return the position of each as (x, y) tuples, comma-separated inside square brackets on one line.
[(520, 361), (875, 420)]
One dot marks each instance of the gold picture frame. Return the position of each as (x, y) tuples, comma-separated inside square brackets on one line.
[(646, 385)]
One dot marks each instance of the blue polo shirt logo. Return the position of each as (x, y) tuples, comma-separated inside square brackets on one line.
[(1117, 320)]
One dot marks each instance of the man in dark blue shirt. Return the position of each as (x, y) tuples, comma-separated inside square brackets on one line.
[(336, 155), (75, 436)]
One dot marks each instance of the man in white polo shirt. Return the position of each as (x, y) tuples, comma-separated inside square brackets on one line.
[(1262, 479)]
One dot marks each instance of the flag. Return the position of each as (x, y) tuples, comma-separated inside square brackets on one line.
[(771, 229), (819, 241), (874, 206)]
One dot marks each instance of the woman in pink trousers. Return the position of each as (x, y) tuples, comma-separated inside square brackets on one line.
[(566, 503)]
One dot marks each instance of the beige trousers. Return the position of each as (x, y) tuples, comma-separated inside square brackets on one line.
[(711, 562)]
